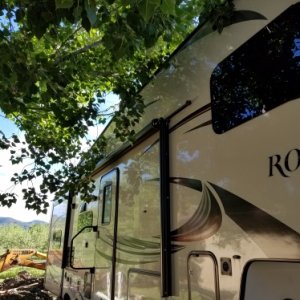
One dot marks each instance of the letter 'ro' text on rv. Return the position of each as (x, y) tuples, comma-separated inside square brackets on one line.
[(284, 164)]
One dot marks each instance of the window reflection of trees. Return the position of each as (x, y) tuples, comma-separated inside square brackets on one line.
[(85, 219), (137, 174), (260, 75), (139, 194), (57, 238)]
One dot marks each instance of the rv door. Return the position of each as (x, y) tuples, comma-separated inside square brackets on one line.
[(105, 249), (57, 237)]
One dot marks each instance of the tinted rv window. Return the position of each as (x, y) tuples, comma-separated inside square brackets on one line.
[(260, 75), (107, 202)]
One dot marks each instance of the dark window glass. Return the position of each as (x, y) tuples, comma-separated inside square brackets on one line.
[(107, 202), (260, 75)]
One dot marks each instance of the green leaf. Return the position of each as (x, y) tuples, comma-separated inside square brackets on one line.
[(147, 8), (63, 3), (51, 82), (168, 7), (91, 11)]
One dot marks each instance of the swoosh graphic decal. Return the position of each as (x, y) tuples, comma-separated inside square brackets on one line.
[(185, 120), (204, 223), (192, 116), (271, 235), (137, 243), (207, 218), (135, 262), (194, 184), (149, 147), (243, 16), (135, 246), (200, 126), (150, 103), (140, 254), (143, 251), (108, 258)]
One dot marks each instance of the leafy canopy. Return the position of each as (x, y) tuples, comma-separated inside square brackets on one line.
[(58, 62)]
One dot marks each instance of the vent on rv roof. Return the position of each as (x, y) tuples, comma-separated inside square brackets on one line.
[(260, 75)]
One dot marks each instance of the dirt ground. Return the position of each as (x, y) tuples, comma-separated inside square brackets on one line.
[(24, 287)]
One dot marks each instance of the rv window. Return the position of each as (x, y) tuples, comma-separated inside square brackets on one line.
[(268, 279), (85, 218), (260, 75), (56, 237), (107, 202)]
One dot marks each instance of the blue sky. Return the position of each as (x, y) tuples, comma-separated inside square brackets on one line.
[(7, 126)]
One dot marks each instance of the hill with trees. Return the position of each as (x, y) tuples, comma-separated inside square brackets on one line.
[(10, 221)]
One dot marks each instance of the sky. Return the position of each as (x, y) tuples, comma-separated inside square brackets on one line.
[(18, 211)]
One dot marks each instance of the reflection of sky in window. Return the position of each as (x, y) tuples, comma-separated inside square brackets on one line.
[(248, 113), (146, 176), (60, 211), (296, 49), (187, 156)]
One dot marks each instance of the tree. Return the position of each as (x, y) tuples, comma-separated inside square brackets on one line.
[(60, 59), (14, 236)]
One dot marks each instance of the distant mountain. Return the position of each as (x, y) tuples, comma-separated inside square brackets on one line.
[(8, 221)]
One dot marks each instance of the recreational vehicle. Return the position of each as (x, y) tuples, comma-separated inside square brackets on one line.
[(204, 204)]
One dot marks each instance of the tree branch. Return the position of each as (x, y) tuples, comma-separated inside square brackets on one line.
[(67, 39), (78, 51)]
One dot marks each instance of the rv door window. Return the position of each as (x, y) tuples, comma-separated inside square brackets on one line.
[(107, 202), (85, 218), (260, 75)]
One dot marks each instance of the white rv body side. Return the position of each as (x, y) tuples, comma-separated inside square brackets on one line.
[(234, 169)]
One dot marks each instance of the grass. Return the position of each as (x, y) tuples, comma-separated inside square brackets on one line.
[(13, 272)]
